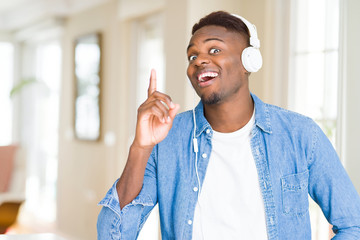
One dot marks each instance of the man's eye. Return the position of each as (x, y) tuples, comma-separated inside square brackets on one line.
[(214, 50), (192, 58)]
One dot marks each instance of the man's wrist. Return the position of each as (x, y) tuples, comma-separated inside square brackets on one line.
[(140, 149)]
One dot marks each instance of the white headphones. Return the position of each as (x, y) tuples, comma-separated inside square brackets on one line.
[(251, 56)]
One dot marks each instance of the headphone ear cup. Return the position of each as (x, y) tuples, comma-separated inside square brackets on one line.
[(251, 59)]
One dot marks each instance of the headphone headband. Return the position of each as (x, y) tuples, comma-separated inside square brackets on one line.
[(254, 41)]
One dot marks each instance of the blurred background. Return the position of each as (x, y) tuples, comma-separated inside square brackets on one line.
[(73, 72)]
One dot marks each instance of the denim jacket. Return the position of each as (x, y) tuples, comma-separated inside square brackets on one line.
[(293, 159)]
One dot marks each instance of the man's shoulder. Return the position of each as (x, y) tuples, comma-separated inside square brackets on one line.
[(284, 118), (275, 115), (277, 111)]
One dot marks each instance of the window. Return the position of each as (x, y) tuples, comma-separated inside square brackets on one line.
[(314, 57), (48, 71), (150, 54), (39, 129), (314, 74), (6, 83)]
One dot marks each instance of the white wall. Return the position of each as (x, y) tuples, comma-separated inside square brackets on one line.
[(83, 166)]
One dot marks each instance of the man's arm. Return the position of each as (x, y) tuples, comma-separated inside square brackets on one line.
[(154, 121), (131, 180), (332, 189), (136, 189)]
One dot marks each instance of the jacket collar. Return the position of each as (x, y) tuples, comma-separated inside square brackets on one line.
[(262, 116)]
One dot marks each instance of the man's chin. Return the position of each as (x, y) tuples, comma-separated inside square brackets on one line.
[(214, 98)]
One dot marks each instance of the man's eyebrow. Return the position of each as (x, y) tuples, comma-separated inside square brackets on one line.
[(206, 40), (213, 39), (190, 45)]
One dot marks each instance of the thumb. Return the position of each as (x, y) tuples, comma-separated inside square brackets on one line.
[(173, 111)]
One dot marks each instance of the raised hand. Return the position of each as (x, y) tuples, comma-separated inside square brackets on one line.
[(155, 117)]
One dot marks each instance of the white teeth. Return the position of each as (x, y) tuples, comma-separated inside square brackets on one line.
[(207, 74)]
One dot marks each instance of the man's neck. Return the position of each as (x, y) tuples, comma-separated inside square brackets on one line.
[(229, 116)]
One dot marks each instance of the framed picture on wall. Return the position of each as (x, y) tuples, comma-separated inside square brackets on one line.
[(87, 71)]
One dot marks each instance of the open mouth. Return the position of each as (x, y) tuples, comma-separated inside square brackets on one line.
[(207, 76)]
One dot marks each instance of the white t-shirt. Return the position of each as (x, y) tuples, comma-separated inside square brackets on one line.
[(230, 205)]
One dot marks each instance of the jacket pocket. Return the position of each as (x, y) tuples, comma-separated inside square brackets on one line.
[(295, 193)]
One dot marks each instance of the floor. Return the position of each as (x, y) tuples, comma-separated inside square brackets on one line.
[(23, 226)]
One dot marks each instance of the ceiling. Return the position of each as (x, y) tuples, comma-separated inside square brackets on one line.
[(16, 14)]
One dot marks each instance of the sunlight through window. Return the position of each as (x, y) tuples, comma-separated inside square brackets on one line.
[(6, 82), (314, 75)]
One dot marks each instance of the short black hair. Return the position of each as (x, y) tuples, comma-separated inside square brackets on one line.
[(226, 20)]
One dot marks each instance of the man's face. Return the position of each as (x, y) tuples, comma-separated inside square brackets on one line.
[(215, 69)]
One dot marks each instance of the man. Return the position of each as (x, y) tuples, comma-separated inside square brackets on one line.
[(235, 167)]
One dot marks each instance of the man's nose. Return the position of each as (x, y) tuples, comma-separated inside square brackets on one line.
[(202, 59)]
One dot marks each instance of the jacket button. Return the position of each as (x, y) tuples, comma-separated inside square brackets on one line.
[(195, 189), (189, 222), (207, 131), (204, 155)]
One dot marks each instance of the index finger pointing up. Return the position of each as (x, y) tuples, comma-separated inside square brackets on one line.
[(152, 84)]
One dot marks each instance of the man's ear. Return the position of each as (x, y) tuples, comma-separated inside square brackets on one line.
[(246, 72), (242, 65)]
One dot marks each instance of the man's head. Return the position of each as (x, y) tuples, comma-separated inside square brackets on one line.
[(215, 63), (226, 20)]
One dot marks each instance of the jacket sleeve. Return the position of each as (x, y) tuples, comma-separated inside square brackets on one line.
[(332, 189), (115, 223)]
